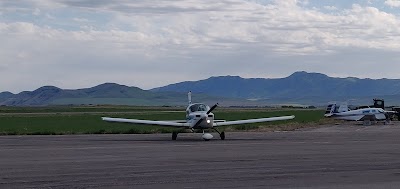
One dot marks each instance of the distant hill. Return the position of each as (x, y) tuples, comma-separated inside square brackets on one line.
[(5, 95), (300, 87), (108, 93)]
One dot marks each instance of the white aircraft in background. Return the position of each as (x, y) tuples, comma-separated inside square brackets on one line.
[(364, 114), (198, 116)]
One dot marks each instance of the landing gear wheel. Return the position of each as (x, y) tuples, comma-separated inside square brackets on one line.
[(222, 135), (174, 135), (367, 122)]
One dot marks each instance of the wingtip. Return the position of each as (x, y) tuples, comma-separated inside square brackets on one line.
[(290, 117)]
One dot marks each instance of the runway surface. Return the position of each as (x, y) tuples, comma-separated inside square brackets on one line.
[(328, 157)]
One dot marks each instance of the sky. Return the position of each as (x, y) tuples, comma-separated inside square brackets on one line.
[(82, 43)]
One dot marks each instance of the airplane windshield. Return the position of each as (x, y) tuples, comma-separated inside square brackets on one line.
[(198, 107)]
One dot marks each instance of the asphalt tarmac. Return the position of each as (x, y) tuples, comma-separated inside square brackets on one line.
[(351, 156)]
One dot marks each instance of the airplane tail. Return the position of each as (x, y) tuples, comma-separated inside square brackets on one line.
[(190, 97), (343, 107), (330, 110)]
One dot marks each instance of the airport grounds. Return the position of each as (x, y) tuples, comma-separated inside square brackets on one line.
[(71, 147), (60, 120)]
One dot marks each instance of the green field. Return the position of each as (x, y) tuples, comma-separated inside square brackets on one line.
[(60, 120)]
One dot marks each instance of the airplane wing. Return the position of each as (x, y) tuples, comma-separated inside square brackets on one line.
[(184, 121), (219, 120), (147, 122), (176, 121), (237, 122), (374, 117)]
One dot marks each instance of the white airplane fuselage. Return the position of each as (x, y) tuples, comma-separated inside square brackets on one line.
[(361, 114), (195, 113)]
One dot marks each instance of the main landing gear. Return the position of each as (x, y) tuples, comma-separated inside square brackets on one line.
[(221, 134), (174, 135)]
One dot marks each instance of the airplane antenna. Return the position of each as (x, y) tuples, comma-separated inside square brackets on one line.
[(190, 97)]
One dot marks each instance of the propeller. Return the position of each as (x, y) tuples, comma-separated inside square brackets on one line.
[(198, 122), (208, 112), (212, 108)]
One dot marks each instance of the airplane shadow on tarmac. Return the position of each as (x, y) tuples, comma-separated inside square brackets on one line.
[(184, 139)]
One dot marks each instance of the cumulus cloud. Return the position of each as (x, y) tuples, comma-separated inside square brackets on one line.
[(80, 20), (149, 44), (331, 8), (392, 3)]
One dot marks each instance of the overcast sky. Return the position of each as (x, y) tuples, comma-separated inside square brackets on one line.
[(82, 43)]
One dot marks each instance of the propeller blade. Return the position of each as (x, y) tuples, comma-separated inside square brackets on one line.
[(212, 108), (198, 122)]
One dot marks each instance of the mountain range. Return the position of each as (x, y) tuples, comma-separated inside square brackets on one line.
[(107, 93), (298, 88)]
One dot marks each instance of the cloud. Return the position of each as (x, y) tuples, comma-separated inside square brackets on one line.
[(149, 44), (331, 8), (392, 3), (36, 12), (80, 20), (205, 22)]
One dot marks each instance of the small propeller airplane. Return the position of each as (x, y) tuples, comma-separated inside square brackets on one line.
[(364, 114), (198, 116)]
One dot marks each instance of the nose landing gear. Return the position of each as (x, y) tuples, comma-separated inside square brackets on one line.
[(205, 136)]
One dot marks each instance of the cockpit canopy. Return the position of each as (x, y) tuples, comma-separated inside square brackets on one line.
[(198, 107)]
